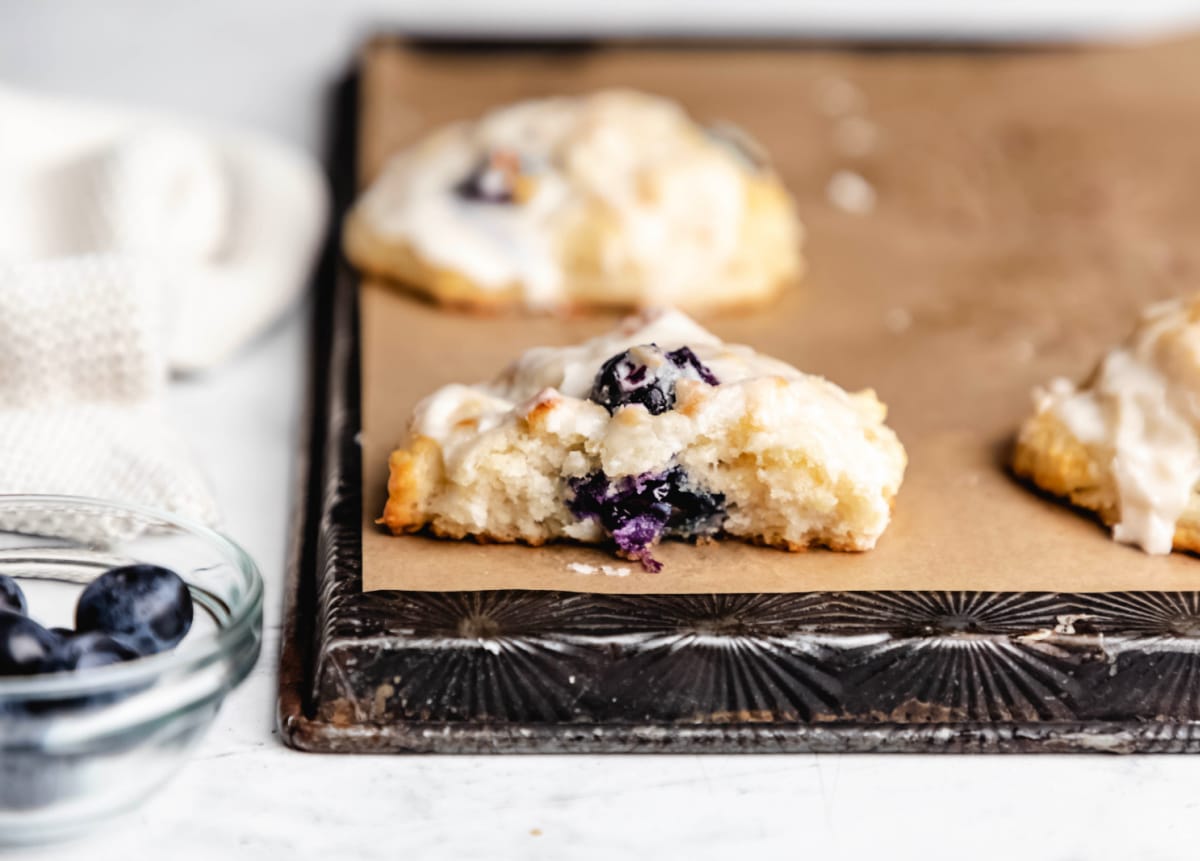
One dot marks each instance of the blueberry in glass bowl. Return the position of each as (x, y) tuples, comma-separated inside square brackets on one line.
[(110, 690), (147, 606), (12, 596)]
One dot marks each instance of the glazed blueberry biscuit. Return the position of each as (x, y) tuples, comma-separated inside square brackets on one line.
[(657, 429), (615, 199), (1125, 444)]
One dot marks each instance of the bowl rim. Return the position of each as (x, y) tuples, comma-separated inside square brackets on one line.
[(201, 652)]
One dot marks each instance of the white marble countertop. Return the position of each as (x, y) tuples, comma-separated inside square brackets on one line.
[(245, 796)]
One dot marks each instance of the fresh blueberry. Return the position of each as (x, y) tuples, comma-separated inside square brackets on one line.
[(93, 649), (647, 375), (145, 606), (638, 510), (26, 648), (11, 596)]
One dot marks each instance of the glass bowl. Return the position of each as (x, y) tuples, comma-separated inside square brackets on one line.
[(78, 748)]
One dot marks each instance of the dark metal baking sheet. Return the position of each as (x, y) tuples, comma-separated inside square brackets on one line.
[(521, 671)]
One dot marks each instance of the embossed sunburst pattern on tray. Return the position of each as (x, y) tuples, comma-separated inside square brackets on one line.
[(904, 659)]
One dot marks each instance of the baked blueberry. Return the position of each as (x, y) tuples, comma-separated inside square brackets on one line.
[(92, 649), (627, 378), (690, 367), (646, 375), (695, 511), (26, 647), (639, 510), (145, 606), (11, 596), (496, 179)]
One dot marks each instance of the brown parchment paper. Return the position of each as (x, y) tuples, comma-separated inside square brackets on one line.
[(1027, 205)]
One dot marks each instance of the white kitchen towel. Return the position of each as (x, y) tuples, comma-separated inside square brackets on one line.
[(234, 219), (82, 374), (129, 247)]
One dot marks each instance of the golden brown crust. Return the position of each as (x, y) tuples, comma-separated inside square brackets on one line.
[(540, 412), (413, 473), (413, 476), (1049, 455)]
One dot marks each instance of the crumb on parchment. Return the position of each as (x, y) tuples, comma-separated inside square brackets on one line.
[(607, 570), (850, 192)]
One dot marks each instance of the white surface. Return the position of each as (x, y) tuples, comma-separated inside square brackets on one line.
[(208, 57), (247, 797)]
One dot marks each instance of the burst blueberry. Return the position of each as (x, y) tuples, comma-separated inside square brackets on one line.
[(648, 376), (26, 647), (11, 596), (639, 510), (145, 606)]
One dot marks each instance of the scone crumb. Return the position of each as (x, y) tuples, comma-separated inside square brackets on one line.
[(607, 570), (850, 192), (897, 320)]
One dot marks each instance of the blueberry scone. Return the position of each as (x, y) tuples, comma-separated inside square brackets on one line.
[(615, 199), (657, 429), (1126, 443)]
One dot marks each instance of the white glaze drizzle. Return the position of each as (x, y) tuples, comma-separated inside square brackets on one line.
[(462, 418), (1143, 407)]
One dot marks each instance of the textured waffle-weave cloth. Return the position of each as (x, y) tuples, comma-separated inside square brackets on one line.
[(82, 375)]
